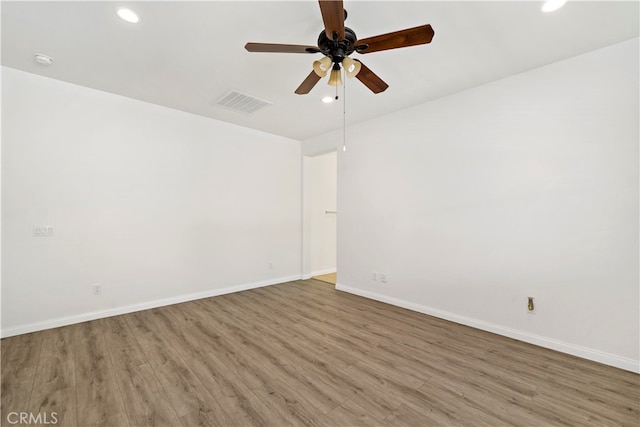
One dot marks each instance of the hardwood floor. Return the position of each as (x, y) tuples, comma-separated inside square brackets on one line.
[(302, 353), (329, 278)]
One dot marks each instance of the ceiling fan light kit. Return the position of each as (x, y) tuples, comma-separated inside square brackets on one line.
[(322, 66), (337, 42), (351, 67), (336, 77)]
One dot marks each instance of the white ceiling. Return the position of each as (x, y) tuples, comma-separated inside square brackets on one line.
[(185, 55)]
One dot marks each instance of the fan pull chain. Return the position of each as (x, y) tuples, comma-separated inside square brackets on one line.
[(344, 112)]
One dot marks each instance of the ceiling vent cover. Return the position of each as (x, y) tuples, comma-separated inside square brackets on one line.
[(241, 102)]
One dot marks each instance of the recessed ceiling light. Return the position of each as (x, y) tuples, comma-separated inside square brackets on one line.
[(43, 59), (128, 15), (327, 99), (551, 5)]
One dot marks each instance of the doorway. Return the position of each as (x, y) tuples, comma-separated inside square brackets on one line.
[(320, 214)]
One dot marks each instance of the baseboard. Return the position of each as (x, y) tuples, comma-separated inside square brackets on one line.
[(318, 273), (85, 317), (553, 344)]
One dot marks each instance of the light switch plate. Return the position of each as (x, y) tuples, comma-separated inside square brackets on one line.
[(43, 231)]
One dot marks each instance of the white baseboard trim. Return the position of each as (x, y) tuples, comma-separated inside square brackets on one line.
[(318, 273), (553, 344), (85, 317)]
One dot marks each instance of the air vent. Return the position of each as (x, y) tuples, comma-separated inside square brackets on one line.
[(241, 102)]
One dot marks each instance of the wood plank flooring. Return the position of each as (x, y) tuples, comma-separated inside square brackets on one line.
[(302, 353), (329, 278)]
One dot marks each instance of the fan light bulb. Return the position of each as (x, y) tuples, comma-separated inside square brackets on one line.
[(351, 67), (322, 66), (336, 78)]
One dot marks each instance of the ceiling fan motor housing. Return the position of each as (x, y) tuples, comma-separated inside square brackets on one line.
[(338, 50)]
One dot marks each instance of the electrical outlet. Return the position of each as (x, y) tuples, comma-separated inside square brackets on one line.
[(383, 277), (97, 289), (374, 276)]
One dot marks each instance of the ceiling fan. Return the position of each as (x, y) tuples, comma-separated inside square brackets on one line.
[(338, 42)]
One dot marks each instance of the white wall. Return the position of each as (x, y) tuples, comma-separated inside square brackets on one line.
[(154, 204), (527, 186), (0, 191), (322, 197)]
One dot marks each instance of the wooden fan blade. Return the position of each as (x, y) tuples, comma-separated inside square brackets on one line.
[(403, 38), (280, 48), (308, 83), (371, 79), (333, 17)]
